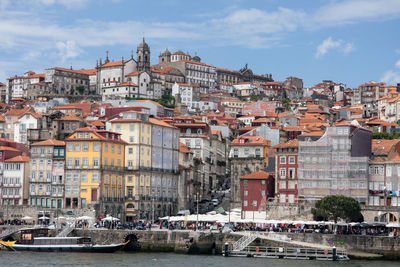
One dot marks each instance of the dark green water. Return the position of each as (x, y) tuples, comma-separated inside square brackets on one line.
[(21, 259)]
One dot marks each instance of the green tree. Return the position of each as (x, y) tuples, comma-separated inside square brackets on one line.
[(337, 207), (285, 103)]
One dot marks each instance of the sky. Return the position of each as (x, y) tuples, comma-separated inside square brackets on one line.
[(347, 41)]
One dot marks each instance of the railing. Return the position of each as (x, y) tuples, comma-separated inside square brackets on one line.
[(66, 231), (244, 241)]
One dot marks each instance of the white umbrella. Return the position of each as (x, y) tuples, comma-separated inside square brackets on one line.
[(26, 218), (84, 218), (44, 218), (110, 219)]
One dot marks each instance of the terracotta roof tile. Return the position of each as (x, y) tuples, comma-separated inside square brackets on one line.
[(18, 159), (49, 142), (261, 175)]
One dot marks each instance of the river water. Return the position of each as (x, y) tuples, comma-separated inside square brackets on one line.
[(119, 259)]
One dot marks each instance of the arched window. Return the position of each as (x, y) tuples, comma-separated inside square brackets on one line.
[(130, 206)]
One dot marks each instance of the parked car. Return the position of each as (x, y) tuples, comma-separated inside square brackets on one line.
[(215, 202)]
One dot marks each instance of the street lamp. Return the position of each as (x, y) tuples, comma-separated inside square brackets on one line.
[(197, 220)]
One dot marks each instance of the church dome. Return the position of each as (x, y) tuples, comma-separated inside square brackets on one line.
[(166, 53), (196, 58), (143, 45)]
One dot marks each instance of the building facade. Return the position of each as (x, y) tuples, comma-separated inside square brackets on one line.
[(47, 177)]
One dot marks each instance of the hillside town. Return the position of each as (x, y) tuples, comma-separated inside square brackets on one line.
[(141, 141)]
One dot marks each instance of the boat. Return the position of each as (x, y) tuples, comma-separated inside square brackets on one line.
[(37, 239)]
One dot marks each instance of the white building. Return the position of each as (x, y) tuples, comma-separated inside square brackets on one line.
[(114, 71), (189, 93), (27, 121), (17, 86), (15, 181)]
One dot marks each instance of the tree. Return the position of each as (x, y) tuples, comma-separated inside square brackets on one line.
[(337, 207)]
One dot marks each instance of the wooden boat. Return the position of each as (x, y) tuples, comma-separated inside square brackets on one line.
[(36, 239)]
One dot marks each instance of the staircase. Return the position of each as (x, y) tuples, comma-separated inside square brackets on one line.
[(244, 241), (66, 231), (8, 232)]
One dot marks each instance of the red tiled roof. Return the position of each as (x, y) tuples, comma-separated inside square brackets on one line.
[(2, 148), (128, 84), (66, 70), (17, 112), (249, 141), (98, 134), (49, 142), (188, 85), (289, 144), (261, 175), (113, 63), (18, 159), (134, 73), (183, 148), (88, 71)]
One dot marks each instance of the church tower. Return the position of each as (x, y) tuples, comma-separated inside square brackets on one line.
[(143, 56)]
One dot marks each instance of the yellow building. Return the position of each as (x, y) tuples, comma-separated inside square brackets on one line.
[(94, 171), (151, 164)]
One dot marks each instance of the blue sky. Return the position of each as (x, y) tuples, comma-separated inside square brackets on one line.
[(348, 41)]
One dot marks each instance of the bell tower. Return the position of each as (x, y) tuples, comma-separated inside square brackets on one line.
[(143, 56)]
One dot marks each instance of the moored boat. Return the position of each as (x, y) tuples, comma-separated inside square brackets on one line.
[(37, 239)]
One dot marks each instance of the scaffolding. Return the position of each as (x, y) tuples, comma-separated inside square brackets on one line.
[(326, 167)]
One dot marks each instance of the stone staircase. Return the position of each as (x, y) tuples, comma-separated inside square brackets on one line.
[(8, 232), (66, 231), (244, 241)]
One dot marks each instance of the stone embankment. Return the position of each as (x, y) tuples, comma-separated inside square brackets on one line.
[(184, 241)]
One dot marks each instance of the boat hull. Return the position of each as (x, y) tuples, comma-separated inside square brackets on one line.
[(67, 248)]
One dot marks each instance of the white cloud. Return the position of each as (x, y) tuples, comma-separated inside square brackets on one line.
[(349, 47), (391, 77), (329, 44), (68, 50), (398, 64), (354, 11)]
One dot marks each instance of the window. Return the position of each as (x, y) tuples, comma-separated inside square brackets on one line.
[(112, 149), (131, 139), (69, 177), (254, 203), (95, 163), (282, 159), (77, 162), (49, 162), (95, 178), (388, 171), (96, 147), (106, 147), (69, 163), (282, 173), (291, 160), (85, 147), (130, 150), (85, 162), (245, 203), (130, 179), (76, 177), (77, 147), (246, 193), (132, 127), (119, 149), (263, 193), (84, 177), (118, 128), (245, 183), (282, 185)]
